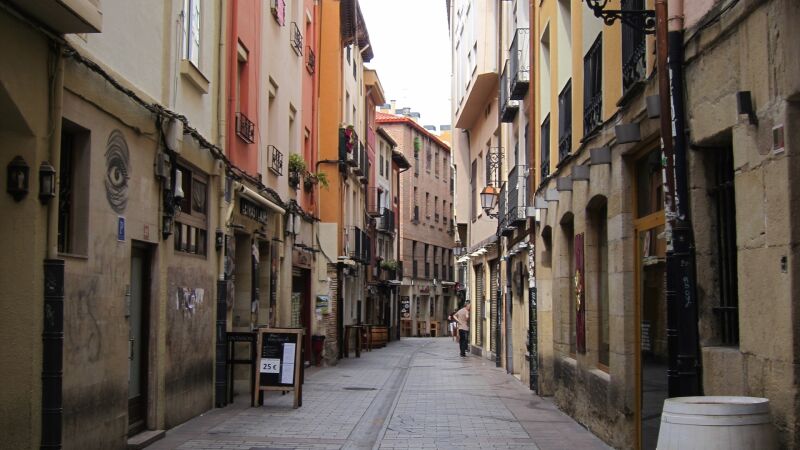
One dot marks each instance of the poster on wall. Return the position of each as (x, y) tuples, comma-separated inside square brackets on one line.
[(405, 307), (580, 301)]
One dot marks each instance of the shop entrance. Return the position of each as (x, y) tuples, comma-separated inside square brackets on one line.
[(301, 307), (138, 337), (651, 301)]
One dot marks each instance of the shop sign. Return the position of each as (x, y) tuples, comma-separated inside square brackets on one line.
[(251, 210)]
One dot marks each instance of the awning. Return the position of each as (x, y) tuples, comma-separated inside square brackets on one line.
[(260, 199)]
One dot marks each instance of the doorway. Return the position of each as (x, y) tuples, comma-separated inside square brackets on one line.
[(301, 307), (138, 337), (651, 301)]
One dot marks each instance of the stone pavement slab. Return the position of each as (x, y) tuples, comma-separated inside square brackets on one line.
[(413, 394)]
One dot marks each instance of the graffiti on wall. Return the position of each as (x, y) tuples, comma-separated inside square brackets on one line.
[(117, 171)]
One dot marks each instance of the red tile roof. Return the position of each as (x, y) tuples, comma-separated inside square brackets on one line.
[(384, 118)]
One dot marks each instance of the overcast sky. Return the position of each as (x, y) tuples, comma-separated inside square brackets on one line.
[(412, 54)]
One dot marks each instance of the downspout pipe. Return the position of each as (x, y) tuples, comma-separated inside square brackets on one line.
[(53, 314), (499, 325), (681, 272), (533, 363), (509, 343)]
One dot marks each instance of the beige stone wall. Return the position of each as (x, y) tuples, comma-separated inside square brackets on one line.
[(755, 50), (24, 131)]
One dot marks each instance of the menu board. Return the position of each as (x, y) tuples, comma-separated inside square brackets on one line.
[(278, 367)]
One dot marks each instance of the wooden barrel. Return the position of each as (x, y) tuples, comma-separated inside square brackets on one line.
[(716, 422), (380, 336)]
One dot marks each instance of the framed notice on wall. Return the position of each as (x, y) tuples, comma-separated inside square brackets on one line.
[(278, 362)]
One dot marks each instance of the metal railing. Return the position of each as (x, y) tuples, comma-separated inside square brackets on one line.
[(245, 128), (296, 39), (386, 221), (508, 106), (519, 56), (311, 60), (593, 87), (545, 148), (348, 146), (517, 195), (634, 48), (565, 122), (275, 160)]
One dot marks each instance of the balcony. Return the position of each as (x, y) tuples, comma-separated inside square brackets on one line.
[(358, 169), (565, 122), (348, 146), (519, 55), (311, 60), (508, 106), (245, 129), (358, 244), (545, 148), (386, 221), (275, 160), (502, 212), (593, 88), (296, 39), (634, 49), (517, 196), (64, 16), (373, 202)]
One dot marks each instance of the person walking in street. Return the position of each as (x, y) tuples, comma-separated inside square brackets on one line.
[(462, 318), (452, 326)]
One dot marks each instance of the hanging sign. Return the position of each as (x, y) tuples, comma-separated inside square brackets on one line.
[(251, 210)]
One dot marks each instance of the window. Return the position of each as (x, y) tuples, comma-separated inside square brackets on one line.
[(565, 122), (73, 194), (436, 164), (593, 87), (191, 31), (428, 156), (428, 205), (568, 271), (436, 207), (634, 48), (545, 148), (474, 186), (723, 197), (597, 213), (380, 167), (191, 224)]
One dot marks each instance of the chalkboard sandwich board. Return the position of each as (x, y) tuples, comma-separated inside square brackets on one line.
[(279, 362)]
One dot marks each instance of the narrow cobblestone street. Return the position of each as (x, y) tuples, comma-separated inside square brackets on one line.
[(416, 393)]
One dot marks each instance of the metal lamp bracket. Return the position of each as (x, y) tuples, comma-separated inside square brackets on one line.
[(643, 20)]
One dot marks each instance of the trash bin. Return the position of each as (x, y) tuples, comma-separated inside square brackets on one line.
[(716, 422), (317, 345)]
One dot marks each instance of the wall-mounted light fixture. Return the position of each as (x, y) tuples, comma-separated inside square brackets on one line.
[(47, 182), (643, 20), (219, 239), (17, 174), (489, 198)]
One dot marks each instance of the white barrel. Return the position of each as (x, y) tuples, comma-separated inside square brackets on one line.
[(716, 422)]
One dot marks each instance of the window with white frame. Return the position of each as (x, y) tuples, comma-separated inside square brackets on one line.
[(191, 31)]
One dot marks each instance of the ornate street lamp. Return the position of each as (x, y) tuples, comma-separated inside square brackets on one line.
[(489, 197), (644, 20)]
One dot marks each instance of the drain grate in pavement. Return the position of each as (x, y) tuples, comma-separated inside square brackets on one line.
[(357, 388)]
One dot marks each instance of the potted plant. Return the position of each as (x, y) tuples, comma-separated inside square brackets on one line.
[(297, 167), (311, 179), (390, 265)]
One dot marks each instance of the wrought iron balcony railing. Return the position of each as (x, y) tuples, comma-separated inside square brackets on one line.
[(386, 221), (348, 146), (508, 106), (634, 48), (296, 39), (275, 160), (517, 195), (565, 122), (245, 129), (519, 56), (545, 148), (358, 169), (311, 60)]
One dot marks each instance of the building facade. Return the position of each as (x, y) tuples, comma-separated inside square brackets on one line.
[(427, 294)]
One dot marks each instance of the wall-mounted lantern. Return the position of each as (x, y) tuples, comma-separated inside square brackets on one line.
[(17, 175), (47, 182), (489, 198)]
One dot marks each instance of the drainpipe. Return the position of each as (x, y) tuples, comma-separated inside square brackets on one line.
[(509, 343), (53, 317), (533, 363), (681, 275), (499, 325), (221, 344)]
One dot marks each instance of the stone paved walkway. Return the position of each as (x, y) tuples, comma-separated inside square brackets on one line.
[(416, 393)]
